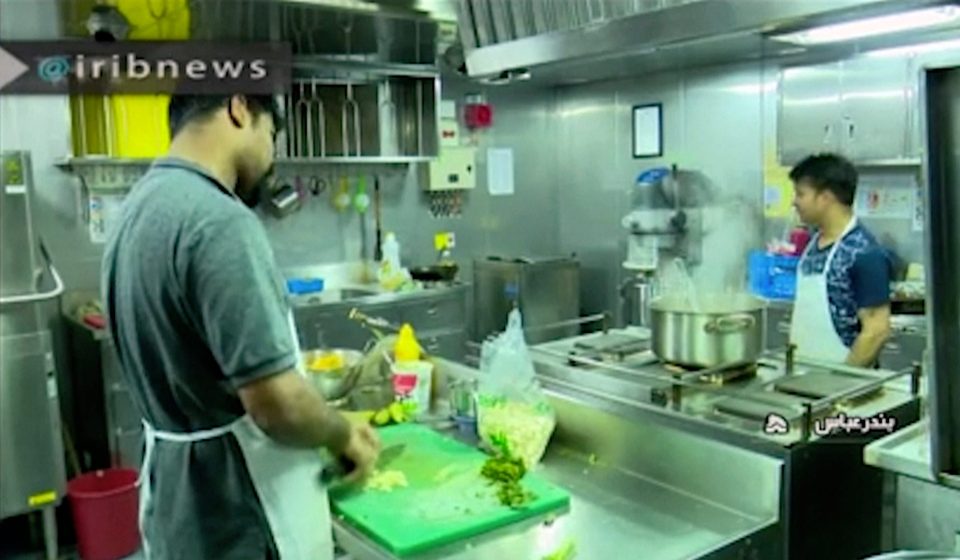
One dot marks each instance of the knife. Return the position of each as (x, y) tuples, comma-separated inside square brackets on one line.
[(345, 466)]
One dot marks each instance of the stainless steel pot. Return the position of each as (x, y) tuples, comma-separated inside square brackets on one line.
[(722, 329)]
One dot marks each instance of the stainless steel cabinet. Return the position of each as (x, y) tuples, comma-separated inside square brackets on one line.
[(31, 453), (862, 108), (320, 327), (545, 289), (451, 345), (874, 109), (436, 313), (439, 317), (906, 345), (809, 115), (32, 473)]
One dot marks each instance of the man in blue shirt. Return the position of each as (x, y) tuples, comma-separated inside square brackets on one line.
[(842, 308)]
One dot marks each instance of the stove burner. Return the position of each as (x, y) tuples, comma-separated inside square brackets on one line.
[(609, 348)]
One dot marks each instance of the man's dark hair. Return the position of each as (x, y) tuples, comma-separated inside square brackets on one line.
[(828, 172), (186, 108)]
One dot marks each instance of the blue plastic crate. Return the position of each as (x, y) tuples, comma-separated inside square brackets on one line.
[(772, 276)]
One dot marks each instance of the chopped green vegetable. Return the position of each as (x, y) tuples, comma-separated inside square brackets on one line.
[(500, 442), (512, 494), (503, 469), (567, 551), (505, 472)]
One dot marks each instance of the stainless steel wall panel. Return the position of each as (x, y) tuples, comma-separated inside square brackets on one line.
[(712, 124)]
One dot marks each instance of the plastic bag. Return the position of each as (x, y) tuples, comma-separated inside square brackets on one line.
[(513, 415)]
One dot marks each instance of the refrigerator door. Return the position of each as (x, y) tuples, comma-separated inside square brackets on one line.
[(942, 230)]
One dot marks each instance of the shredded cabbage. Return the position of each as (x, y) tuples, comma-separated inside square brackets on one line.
[(526, 428)]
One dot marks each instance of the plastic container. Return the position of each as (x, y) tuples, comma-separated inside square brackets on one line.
[(773, 276), (391, 251), (391, 275), (300, 286), (467, 427), (412, 381), (412, 377), (105, 513)]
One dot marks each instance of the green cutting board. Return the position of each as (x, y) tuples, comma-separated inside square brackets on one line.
[(446, 499)]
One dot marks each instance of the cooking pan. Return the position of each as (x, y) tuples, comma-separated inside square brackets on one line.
[(435, 273)]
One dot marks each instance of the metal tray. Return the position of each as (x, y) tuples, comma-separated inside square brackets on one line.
[(614, 344), (762, 403), (818, 384)]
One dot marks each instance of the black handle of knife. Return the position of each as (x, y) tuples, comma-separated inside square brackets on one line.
[(339, 469)]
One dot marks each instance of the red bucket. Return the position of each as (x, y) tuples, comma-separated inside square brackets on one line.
[(105, 513)]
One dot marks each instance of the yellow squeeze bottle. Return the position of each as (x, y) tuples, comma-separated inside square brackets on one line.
[(412, 377)]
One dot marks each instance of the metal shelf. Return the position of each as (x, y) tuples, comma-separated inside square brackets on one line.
[(71, 164), (76, 163), (881, 163), (308, 66), (353, 160)]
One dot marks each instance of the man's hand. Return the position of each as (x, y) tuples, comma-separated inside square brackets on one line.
[(363, 449), (874, 332)]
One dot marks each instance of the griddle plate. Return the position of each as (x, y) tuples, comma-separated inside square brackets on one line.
[(818, 384)]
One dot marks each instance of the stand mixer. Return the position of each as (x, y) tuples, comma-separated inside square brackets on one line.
[(656, 224)]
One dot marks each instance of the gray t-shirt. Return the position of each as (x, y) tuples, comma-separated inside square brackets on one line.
[(197, 309)]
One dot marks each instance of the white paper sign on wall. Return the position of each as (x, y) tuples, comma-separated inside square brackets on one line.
[(500, 171)]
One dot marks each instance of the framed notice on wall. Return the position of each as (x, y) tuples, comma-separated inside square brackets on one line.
[(648, 130)]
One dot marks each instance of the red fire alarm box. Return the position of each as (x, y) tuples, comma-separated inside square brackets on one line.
[(477, 113)]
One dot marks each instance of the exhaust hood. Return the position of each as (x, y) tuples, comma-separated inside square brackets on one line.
[(573, 41)]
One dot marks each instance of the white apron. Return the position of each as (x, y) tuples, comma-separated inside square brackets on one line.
[(811, 328), (287, 481)]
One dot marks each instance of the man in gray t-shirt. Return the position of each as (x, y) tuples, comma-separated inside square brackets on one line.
[(204, 335)]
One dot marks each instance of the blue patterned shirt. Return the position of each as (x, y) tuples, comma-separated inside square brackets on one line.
[(859, 277)]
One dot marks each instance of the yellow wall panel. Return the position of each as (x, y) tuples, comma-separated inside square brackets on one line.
[(132, 125)]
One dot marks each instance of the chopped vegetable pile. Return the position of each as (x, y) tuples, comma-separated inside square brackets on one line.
[(527, 427), (386, 481), (505, 472), (567, 551)]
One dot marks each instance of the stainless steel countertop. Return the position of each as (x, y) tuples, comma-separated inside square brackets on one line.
[(698, 403), (611, 512), (907, 452)]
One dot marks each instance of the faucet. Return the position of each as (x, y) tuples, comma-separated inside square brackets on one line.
[(375, 324)]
